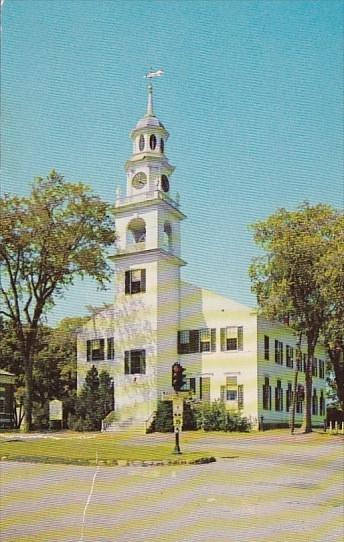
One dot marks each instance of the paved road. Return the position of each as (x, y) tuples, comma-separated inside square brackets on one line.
[(283, 491)]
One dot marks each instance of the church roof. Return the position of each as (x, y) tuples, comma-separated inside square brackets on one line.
[(149, 120)]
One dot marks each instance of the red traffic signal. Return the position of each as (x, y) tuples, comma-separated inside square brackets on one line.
[(178, 376)]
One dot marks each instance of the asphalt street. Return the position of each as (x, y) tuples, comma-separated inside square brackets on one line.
[(278, 492)]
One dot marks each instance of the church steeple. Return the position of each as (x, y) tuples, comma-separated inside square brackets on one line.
[(150, 112), (148, 169)]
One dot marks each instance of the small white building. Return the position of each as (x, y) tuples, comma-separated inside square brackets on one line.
[(228, 351)]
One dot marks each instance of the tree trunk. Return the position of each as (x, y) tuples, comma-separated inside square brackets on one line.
[(293, 404), (28, 395), (307, 415)]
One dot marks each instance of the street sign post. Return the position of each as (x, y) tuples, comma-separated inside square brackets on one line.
[(177, 407)]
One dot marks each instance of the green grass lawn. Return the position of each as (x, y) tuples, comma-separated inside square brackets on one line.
[(104, 448), (87, 448)]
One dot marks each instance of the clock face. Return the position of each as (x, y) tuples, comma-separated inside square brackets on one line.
[(165, 183), (139, 180)]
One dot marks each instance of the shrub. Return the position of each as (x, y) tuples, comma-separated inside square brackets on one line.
[(164, 417), (163, 420), (215, 417)]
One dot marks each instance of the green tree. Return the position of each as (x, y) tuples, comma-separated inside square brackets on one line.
[(59, 232), (95, 400), (300, 277), (54, 368)]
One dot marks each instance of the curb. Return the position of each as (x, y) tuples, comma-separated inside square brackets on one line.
[(109, 462)]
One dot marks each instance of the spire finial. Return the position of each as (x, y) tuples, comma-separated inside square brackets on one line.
[(150, 112), (150, 75)]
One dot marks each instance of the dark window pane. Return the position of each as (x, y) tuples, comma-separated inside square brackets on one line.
[(152, 142), (232, 344), (141, 142)]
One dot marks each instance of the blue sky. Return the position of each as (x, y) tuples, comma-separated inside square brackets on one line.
[(252, 97)]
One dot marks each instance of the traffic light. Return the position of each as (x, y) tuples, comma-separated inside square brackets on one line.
[(178, 376)]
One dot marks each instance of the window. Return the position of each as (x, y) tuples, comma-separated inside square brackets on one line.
[(204, 340), (231, 338), (152, 142), (278, 352), (167, 243), (135, 281), (192, 385), (315, 367), (134, 362), (278, 397), (322, 403), (321, 369), (266, 394), (95, 350), (315, 405), (141, 142), (110, 348), (196, 340), (136, 232), (266, 347), (300, 396), (289, 356), (304, 359), (161, 145), (232, 395), (2, 405), (288, 397)]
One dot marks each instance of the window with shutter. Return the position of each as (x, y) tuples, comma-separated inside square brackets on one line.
[(95, 350), (194, 341), (192, 384), (183, 342), (266, 394), (232, 338), (110, 348), (204, 340), (135, 281), (135, 362), (266, 347)]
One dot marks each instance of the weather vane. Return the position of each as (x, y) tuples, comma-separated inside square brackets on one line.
[(152, 74)]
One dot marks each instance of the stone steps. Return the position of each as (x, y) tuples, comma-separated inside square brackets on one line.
[(124, 426)]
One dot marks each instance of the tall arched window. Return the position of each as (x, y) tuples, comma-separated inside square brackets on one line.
[(136, 232), (167, 244)]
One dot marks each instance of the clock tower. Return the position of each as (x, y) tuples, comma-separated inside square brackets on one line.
[(147, 270)]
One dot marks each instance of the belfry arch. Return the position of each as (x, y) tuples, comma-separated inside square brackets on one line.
[(136, 231)]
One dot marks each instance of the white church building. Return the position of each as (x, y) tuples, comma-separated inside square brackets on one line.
[(229, 352)]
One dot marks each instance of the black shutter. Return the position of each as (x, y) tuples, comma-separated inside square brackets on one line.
[(126, 362), (194, 341), (143, 362), (88, 343), (281, 353), (213, 340), (143, 280), (223, 339), (240, 338), (276, 351), (127, 282)]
